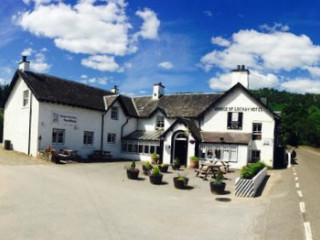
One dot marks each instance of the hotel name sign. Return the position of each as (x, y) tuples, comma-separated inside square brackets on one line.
[(64, 118), (239, 109)]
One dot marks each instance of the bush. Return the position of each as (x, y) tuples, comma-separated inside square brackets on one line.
[(194, 159), (156, 171), (154, 156), (249, 171)]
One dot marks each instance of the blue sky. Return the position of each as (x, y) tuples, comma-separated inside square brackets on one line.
[(190, 46)]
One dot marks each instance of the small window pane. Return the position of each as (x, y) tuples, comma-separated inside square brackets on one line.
[(146, 149)]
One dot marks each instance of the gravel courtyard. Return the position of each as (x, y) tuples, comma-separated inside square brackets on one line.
[(40, 200)]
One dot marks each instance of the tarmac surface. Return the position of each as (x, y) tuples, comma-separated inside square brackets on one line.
[(41, 200)]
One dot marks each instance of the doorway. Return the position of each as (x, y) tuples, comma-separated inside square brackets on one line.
[(180, 147)]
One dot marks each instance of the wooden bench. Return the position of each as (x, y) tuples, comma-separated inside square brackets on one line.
[(98, 155)]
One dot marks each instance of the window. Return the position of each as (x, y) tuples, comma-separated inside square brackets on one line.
[(146, 149), (255, 156), (87, 138), (160, 122), (235, 120), (25, 98), (256, 131), (58, 136), (111, 138), (114, 113)]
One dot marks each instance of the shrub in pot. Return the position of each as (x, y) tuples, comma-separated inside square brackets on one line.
[(180, 182), (176, 164), (249, 171), (217, 186), (155, 176), (154, 158), (132, 171), (163, 167), (194, 162), (146, 168)]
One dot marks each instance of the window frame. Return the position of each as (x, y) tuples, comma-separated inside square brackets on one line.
[(55, 139), (255, 156), (87, 136), (256, 132), (111, 138), (114, 113), (25, 98), (160, 122), (232, 124)]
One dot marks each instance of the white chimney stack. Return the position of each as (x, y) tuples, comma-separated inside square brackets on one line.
[(24, 65), (241, 75), (158, 90), (115, 90)]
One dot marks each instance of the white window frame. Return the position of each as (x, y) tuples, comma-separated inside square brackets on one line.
[(254, 156), (25, 98), (56, 137), (88, 138), (256, 132), (112, 138), (160, 122), (114, 113)]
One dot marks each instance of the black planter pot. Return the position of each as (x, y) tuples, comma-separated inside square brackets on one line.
[(164, 168), (146, 171), (156, 179), (175, 166), (180, 184), (217, 188), (132, 174)]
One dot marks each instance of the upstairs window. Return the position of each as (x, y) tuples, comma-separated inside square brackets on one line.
[(256, 131), (114, 113), (235, 120), (160, 122), (87, 138), (58, 136), (111, 138), (25, 97)]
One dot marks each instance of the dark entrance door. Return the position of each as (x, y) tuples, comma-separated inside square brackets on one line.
[(180, 148)]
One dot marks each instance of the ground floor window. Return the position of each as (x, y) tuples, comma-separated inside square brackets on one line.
[(255, 156), (87, 138), (111, 138), (58, 136), (216, 151), (141, 147)]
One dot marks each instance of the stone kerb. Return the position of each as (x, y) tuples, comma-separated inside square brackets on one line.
[(249, 187)]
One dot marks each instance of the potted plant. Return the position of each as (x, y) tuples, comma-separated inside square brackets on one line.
[(155, 176), (146, 168), (154, 158), (194, 162), (176, 164), (132, 171), (180, 182), (217, 186), (163, 167)]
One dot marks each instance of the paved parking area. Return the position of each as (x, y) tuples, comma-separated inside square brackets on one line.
[(97, 201)]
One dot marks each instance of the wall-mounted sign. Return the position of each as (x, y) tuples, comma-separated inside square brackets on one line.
[(64, 118), (239, 109)]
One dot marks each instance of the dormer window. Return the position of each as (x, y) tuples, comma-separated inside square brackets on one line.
[(235, 120), (160, 122), (114, 113), (25, 97)]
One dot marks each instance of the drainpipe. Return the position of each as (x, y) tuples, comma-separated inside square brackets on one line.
[(123, 125), (30, 122), (102, 130)]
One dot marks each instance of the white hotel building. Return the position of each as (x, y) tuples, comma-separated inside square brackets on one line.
[(43, 110)]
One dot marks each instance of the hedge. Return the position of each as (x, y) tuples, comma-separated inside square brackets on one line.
[(249, 171)]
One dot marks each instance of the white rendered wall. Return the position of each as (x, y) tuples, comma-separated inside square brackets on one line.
[(16, 120), (216, 121), (149, 124)]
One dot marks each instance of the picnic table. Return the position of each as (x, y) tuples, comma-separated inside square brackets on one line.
[(68, 154), (98, 155), (208, 169)]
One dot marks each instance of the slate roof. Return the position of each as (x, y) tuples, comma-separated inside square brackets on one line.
[(178, 105), (224, 137), (126, 103), (57, 90), (144, 135)]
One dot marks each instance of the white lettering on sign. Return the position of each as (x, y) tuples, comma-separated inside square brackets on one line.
[(64, 118), (239, 109)]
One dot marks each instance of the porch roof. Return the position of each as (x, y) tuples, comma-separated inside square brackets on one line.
[(224, 137), (144, 135)]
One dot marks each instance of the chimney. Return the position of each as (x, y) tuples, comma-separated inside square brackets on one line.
[(241, 75), (24, 65), (115, 90), (158, 90)]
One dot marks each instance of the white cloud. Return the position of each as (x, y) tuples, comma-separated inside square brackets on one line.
[(151, 24), (314, 71), (165, 65), (276, 27), (208, 13), (83, 76), (39, 64), (2, 81), (273, 51), (27, 52), (220, 41), (302, 85), (101, 62), (89, 28)]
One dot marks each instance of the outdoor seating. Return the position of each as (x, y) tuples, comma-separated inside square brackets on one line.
[(98, 155), (208, 169), (68, 154)]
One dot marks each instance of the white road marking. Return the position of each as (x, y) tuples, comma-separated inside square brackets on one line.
[(300, 193), (296, 178), (302, 207), (297, 185), (295, 173), (307, 230)]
